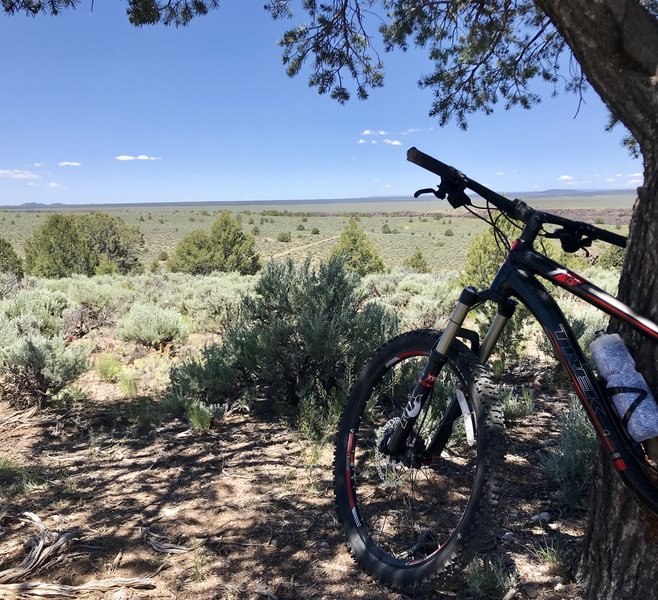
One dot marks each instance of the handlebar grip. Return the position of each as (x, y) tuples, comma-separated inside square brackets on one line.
[(427, 162), (612, 238)]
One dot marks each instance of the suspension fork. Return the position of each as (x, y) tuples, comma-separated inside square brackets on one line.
[(457, 405), (437, 358)]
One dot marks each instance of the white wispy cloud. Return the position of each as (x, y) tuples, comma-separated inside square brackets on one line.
[(392, 142), (18, 174), (55, 185), (636, 182), (500, 172), (565, 178), (636, 175), (39, 164), (410, 130), (68, 163), (373, 132), (138, 157), (361, 141), (610, 179)]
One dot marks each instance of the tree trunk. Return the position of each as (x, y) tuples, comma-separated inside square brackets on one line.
[(620, 555), (616, 44)]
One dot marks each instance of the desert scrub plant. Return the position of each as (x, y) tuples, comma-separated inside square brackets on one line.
[(225, 248), (108, 367), (516, 405), (357, 250), (213, 302), (10, 262), (207, 379), (416, 262), (34, 368), (483, 259), (36, 310), (488, 579), (16, 480), (152, 326), (305, 329), (551, 555), (129, 383), (571, 465), (203, 417)]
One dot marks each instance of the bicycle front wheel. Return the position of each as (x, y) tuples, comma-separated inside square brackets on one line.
[(407, 525)]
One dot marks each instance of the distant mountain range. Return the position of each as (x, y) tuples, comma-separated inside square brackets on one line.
[(552, 193)]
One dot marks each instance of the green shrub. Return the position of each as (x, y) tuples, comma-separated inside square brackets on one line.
[(207, 379), (226, 248), (194, 254), (516, 405), (416, 262), (573, 462), (483, 260), (86, 244), (315, 231), (612, 258), (448, 233), (488, 579), (284, 236), (306, 329), (108, 367), (129, 383), (235, 250), (300, 227), (9, 260), (152, 326), (303, 332), (386, 228), (36, 310), (34, 368), (212, 303), (357, 250)]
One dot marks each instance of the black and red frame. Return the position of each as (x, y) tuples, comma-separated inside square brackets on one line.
[(517, 279)]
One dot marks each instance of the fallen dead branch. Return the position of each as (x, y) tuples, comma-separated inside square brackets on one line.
[(54, 590), (46, 548), (160, 544)]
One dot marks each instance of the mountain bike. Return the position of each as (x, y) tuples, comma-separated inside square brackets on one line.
[(419, 458)]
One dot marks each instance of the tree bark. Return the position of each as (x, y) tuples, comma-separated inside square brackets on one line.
[(620, 554), (616, 44)]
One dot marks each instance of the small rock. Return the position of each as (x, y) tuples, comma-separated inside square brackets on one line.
[(542, 517), (274, 543), (324, 545), (559, 586), (509, 538), (532, 593)]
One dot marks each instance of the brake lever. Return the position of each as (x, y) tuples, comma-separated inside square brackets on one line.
[(428, 191)]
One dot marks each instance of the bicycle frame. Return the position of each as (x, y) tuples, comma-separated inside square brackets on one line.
[(517, 278)]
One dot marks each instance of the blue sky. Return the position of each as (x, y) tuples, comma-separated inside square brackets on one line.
[(94, 110)]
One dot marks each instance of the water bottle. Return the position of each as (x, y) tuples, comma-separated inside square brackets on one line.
[(630, 393)]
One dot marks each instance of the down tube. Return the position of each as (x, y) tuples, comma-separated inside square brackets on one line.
[(535, 296)]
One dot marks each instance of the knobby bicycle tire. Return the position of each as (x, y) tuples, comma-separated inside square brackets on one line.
[(409, 526)]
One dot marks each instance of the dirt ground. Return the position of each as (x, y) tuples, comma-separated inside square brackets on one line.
[(243, 512)]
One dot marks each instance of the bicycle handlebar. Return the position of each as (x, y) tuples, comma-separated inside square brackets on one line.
[(454, 182)]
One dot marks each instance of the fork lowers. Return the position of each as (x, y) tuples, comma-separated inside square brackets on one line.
[(435, 362)]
